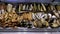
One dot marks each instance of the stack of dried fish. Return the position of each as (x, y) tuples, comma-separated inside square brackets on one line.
[(9, 17), (34, 7)]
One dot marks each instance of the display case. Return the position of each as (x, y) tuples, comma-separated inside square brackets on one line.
[(28, 2)]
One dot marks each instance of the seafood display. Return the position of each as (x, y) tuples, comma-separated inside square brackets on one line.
[(37, 15)]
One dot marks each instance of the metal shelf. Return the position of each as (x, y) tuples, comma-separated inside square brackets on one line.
[(19, 1), (55, 3), (30, 30), (32, 1)]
